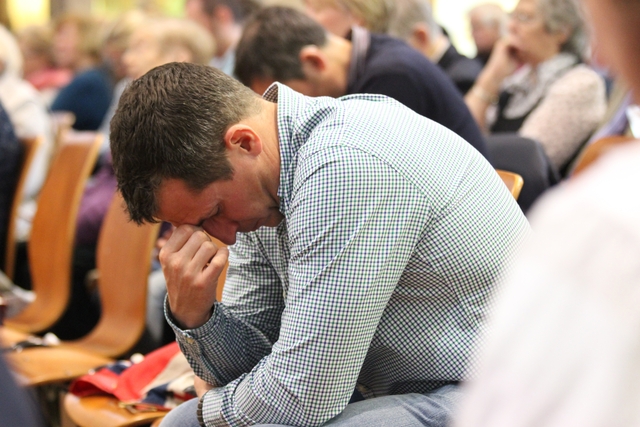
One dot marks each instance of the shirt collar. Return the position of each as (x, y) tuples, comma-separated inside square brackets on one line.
[(360, 40), (291, 106)]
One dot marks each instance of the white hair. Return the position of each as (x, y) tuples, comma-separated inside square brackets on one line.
[(10, 54), (408, 13)]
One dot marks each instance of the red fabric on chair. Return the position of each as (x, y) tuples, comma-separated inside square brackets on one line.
[(162, 379)]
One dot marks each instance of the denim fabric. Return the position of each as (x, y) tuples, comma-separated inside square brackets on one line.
[(403, 410)]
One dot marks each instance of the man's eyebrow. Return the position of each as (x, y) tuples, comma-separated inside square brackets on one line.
[(211, 213)]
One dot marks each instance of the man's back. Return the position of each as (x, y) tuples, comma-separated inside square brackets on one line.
[(380, 272), (463, 71), (394, 69)]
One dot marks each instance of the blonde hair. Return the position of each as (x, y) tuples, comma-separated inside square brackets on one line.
[(174, 32), (374, 14), (38, 39), (408, 13), (10, 56), (90, 32), (120, 30)]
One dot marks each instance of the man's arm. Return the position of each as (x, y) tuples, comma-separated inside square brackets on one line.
[(351, 235), (241, 331)]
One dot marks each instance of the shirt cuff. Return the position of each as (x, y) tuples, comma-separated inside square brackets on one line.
[(206, 330), (199, 412), (210, 408)]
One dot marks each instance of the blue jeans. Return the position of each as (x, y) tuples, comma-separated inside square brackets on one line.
[(402, 410)]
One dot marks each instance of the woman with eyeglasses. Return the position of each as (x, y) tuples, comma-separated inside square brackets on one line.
[(535, 83)]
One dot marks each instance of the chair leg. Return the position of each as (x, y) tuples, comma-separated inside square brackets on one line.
[(65, 420), (48, 398)]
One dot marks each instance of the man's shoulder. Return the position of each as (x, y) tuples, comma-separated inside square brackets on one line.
[(388, 51), (389, 57)]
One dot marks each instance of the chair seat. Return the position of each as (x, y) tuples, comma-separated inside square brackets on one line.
[(9, 336), (103, 411), (44, 365)]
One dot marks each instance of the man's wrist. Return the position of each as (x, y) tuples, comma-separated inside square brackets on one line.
[(484, 95), (192, 325)]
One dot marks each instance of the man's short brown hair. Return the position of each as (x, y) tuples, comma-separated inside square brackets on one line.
[(170, 124), (271, 43)]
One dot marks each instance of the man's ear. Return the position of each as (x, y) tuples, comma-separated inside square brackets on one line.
[(420, 37), (240, 138), (313, 60)]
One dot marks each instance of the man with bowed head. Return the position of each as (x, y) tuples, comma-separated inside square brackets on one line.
[(366, 243), (284, 45)]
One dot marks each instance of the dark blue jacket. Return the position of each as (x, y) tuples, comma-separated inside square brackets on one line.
[(391, 67), (88, 96)]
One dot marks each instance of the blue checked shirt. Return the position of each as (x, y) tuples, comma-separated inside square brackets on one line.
[(379, 277)]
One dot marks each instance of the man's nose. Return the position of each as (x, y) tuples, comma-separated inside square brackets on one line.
[(222, 229)]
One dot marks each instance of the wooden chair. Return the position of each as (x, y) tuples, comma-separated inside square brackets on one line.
[(52, 234), (513, 181), (596, 149), (29, 148), (106, 411), (124, 260), (62, 124)]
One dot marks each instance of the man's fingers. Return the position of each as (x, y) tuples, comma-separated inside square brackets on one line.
[(205, 254), (179, 236), (217, 264), (185, 241)]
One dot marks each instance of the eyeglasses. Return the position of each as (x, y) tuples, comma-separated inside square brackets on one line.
[(522, 17)]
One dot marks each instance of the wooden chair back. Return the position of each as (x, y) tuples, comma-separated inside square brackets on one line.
[(124, 262), (53, 231), (29, 148), (596, 149), (513, 181), (62, 124)]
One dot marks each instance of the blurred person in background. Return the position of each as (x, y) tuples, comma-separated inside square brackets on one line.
[(116, 41), (563, 344), (29, 117), (488, 22), (150, 42), (414, 23), (338, 16), (224, 19), (10, 155), (535, 83), (36, 44), (115, 45), (77, 46), (285, 45)]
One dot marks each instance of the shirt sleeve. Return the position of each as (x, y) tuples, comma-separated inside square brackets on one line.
[(243, 328), (352, 225)]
